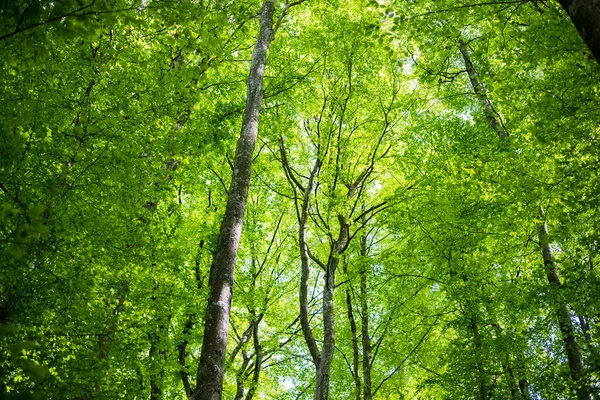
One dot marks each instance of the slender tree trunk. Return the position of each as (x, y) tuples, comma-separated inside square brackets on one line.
[(354, 333), (518, 389), (564, 316), (239, 393), (483, 395), (212, 358), (366, 339), (181, 350), (585, 15), (491, 114), (258, 354), (323, 370), (304, 259)]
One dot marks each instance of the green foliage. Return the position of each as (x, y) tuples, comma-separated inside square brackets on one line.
[(118, 129)]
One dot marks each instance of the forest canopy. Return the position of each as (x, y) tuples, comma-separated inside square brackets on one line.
[(244, 199)]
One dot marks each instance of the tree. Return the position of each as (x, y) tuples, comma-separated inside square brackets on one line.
[(586, 18), (391, 248)]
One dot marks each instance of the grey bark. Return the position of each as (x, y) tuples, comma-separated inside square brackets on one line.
[(564, 316), (585, 15), (212, 358), (491, 114)]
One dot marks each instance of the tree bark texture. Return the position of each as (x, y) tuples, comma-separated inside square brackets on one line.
[(366, 339), (353, 330), (212, 358), (491, 114), (304, 258), (324, 367), (564, 316), (585, 15)]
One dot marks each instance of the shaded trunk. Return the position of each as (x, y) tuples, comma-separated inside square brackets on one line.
[(585, 15), (214, 343), (483, 391), (518, 389), (564, 316), (304, 258), (324, 367), (524, 389), (491, 114), (239, 393), (353, 331), (106, 339), (181, 349), (156, 377), (366, 339), (258, 354)]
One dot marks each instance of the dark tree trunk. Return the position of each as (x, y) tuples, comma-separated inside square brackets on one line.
[(212, 358), (353, 331), (585, 15), (366, 339), (181, 350), (483, 391), (564, 316), (258, 354)]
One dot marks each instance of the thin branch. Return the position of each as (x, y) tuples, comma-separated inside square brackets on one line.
[(283, 14)]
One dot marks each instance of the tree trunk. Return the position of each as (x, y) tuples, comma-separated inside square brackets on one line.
[(366, 339), (212, 358), (304, 259), (564, 316), (181, 350), (324, 367), (258, 354), (585, 15), (353, 331), (491, 114), (483, 395)]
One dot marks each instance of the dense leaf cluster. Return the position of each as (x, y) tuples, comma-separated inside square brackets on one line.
[(118, 128)]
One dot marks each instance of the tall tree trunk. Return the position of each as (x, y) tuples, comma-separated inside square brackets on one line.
[(564, 316), (353, 331), (181, 350), (212, 358), (585, 15), (258, 354), (324, 367), (483, 395), (305, 261), (366, 339), (491, 114)]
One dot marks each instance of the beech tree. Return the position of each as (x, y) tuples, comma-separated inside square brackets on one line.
[(416, 216)]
